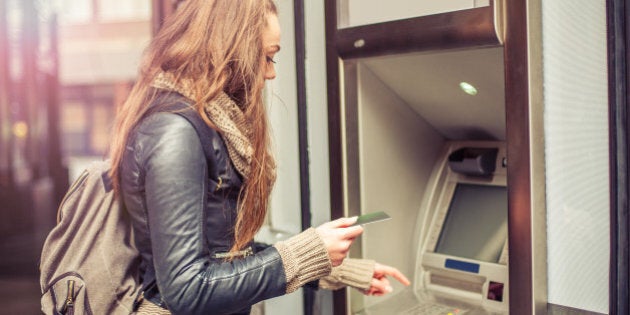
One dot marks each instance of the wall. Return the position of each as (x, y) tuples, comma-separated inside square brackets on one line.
[(281, 95), (576, 150), (317, 120)]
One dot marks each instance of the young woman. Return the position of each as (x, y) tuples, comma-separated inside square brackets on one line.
[(194, 217)]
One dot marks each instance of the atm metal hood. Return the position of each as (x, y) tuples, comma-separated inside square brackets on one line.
[(429, 83)]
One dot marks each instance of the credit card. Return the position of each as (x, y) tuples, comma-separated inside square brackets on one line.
[(372, 217)]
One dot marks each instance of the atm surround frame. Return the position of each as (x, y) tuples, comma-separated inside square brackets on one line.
[(528, 274)]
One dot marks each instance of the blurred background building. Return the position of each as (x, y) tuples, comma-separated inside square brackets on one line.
[(100, 43), (64, 67)]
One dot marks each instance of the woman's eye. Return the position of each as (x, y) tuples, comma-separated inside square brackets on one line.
[(270, 60)]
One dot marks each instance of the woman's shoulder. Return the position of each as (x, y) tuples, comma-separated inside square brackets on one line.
[(169, 129), (166, 116), (164, 123), (166, 133)]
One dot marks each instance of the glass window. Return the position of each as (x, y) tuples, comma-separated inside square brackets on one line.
[(15, 22), (100, 131), (75, 11), (123, 10)]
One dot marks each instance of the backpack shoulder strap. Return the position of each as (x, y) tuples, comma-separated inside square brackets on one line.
[(179, 105), (204, 131)]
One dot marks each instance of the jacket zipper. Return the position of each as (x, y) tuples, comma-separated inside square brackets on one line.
[(241, 253)]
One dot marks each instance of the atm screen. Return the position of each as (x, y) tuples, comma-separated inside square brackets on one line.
[(476, 224)]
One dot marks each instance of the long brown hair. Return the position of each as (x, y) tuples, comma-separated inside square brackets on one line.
[(217, 44)]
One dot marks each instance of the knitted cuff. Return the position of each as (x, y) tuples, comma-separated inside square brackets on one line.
[(305, 259), (356, 273)]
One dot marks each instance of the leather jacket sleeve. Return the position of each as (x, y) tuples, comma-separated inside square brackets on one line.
[(165, 157)]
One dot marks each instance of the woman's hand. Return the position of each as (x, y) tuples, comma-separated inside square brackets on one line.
[(338, 235), (380, 284)]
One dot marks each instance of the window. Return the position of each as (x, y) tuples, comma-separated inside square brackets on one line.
[(123, 10), (76, 11)]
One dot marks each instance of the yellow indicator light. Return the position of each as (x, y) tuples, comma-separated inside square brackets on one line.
[(468, 88), (20, 129)]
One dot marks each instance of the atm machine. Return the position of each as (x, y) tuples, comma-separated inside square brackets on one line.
[(464, 250), (434, 158), (461, 261)]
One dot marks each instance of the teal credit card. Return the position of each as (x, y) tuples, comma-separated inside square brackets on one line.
[(372, 217)]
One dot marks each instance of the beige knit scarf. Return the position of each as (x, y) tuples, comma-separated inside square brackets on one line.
[(225, 114)]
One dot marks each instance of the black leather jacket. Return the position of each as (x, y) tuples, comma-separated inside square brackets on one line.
[(183, 210)]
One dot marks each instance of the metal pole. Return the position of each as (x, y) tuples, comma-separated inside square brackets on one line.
[(6, 177)]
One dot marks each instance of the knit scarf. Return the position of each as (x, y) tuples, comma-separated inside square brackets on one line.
[(225, 114)]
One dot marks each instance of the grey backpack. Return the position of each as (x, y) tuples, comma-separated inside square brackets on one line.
[(89, 263)]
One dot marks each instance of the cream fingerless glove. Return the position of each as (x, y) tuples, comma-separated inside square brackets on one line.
[(356, 273), (305, 259)]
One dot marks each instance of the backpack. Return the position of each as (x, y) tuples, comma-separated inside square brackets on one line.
[(89, 262)]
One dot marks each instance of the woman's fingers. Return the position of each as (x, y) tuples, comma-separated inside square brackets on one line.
[(345, 228), (342, 222), (379, 287), (350, 233), (337, 236), (384, 270)]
